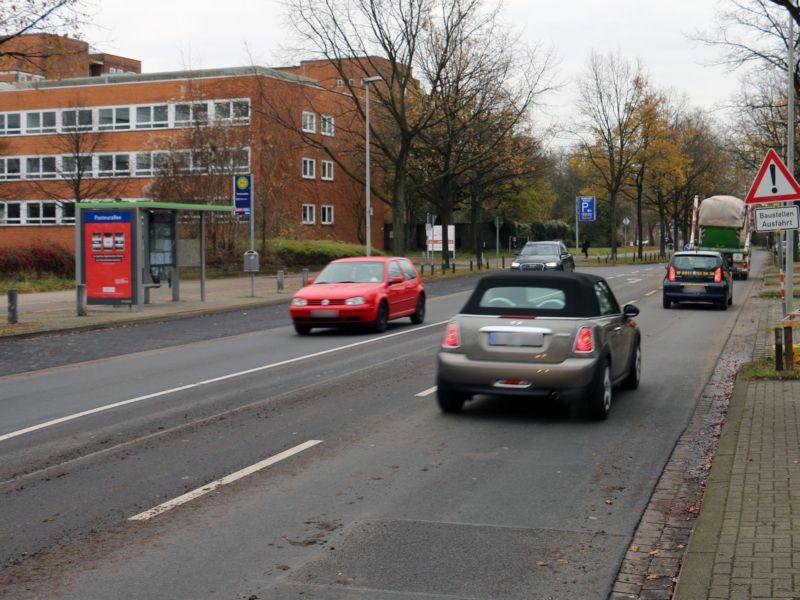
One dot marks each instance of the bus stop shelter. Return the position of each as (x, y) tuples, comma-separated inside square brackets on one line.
[(123, 249)]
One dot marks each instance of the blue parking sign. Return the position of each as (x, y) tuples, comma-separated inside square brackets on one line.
[(586, 210), (243, 194)]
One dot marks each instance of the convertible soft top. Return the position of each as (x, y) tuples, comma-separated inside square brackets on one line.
[(578, 288)]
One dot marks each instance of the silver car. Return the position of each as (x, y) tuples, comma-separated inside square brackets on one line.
[(544, 334)]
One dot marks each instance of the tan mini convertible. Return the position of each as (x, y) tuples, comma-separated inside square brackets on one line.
[(547, 335)]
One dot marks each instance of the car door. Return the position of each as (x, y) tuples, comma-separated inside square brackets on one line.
[(618, 334), (396, 292), (411, 285), (566, 258)]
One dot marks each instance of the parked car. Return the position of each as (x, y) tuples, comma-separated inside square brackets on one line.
[(698, 276), (540, 335), (361, 291), (544, 256)]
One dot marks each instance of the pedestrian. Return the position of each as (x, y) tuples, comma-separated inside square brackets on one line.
[(585, 247)]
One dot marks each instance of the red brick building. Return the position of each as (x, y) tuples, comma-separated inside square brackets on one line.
[(92, 126)]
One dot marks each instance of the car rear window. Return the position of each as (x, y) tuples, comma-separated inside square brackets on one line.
[(542, 298), (696, 263)]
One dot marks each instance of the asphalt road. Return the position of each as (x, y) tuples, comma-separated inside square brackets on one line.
[(382, 497)]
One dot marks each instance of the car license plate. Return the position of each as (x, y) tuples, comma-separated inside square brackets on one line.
[(694, 289), (513, 338), (324, 314)]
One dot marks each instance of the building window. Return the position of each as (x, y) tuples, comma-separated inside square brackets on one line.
[(10, 168), (326, 214), (326, 170), (195, 113), (76, 119), (309, 122), (114, 165), (10, 124), (326, 125), (308, 214), (70, 165), (114, 118), (11, 213), (241, 161), (340, 83), (67, 212), (232, 111), (309, 168), (152, 117), (144, 164), (40, 167), (39, 213), (350, 82), (40, 122)]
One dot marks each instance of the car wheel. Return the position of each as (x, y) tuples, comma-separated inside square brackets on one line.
[(598, 403), (419, 315), (631, 381), (382, 320), (302, 329), (744, 276), (730, 299), (449, 400), (666, 302), (723, 305)]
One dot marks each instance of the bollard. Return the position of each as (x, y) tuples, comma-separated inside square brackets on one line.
[(81, 299), (778, 350), (788, 349), (280, 280), (453, 268), (503, 262), (13, 296), (305, 278), (422, 269), (470, 265)]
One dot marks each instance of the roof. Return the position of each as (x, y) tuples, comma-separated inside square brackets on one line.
[(157, 205), (166, 76), (380, 258), (578, 288)]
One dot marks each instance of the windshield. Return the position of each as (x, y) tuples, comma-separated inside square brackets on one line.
[(540, 250), (351, 272)]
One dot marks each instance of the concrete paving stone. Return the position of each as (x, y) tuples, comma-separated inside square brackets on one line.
[(721, 591), (622, 596), (741, 572), (761, 590), (626, 588)]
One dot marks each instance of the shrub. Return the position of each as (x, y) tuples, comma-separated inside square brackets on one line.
[(42, 259)]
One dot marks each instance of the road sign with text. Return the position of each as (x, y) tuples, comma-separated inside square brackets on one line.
[(586, 211)]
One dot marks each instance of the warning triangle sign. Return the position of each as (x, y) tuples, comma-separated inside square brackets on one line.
[(774, 182)]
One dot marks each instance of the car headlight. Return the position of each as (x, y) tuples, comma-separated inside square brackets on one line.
[(299, 302), (515, 264), (551, 264), (355, 301)]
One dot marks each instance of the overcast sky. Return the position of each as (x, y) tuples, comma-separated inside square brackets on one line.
[(176, 34)]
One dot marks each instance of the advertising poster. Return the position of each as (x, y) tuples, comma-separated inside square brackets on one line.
[(108, 256)]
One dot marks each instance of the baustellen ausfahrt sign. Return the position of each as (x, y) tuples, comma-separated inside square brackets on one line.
[(783, 217)]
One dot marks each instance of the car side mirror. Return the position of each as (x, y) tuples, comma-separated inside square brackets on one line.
[(396, 279), (309, 281), (630, 310)]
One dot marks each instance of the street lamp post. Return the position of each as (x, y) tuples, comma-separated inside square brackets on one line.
[(366, 81)]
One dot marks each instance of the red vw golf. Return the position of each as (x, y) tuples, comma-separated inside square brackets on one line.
[(365, 290)]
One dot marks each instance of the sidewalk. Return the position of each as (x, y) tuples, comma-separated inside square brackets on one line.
[(53, 311), (746, 541)]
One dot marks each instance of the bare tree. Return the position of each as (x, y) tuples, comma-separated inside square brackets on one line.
[(19, 18), (610, 101), (386, 38)]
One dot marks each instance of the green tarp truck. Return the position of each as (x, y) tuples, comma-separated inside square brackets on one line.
[(723, 224)]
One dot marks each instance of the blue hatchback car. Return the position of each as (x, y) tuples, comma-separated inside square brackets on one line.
[(698, 276)]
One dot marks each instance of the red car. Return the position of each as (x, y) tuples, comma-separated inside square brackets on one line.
[(365, 290)]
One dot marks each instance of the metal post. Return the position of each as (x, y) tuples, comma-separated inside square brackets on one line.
[(368, 184), (778, 350), (790, 163), (305, 278), (81, 299), (280, 280), (202, 256), (13, 295)]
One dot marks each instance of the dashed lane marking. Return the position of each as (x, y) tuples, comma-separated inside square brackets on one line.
[(210, 487)]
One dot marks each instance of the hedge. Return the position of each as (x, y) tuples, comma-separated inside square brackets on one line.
[(42, 259)]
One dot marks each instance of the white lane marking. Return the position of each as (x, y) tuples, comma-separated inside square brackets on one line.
[(210, 487), (99, 409), (427, 392), (650, 293), (631, 302), (631, 281)]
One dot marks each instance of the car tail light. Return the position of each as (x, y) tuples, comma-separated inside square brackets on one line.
[(671, 274), (584, 341), (452, 337), (718, 275)]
